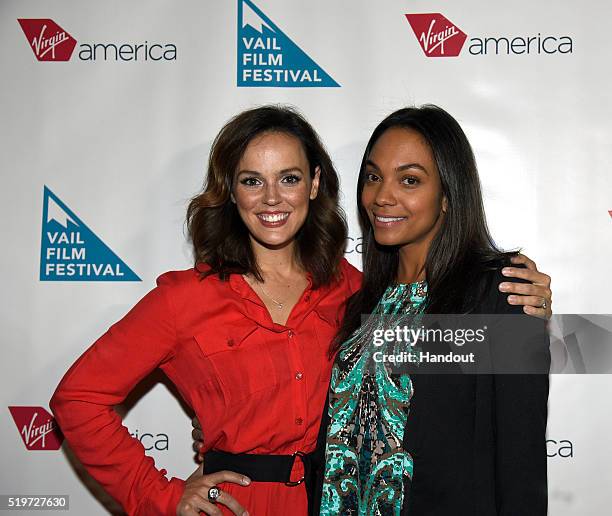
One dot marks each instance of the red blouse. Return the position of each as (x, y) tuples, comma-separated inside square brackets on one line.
[(255, 386)]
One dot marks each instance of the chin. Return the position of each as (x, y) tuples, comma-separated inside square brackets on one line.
[(387, 242), (274, 240), (387, 239)]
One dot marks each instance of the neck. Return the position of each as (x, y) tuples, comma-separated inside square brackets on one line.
[(412, 261), (413, 256), (275, 261)]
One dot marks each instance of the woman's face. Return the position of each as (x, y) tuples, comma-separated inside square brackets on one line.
[(402, 193), (272, 188)]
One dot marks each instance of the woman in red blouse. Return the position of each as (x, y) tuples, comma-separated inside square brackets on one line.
[(243, 335)]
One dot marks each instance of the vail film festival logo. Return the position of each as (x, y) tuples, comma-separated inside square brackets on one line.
[(37, 428), (48, 40), (440, 37), (268, 57), (70, 251)]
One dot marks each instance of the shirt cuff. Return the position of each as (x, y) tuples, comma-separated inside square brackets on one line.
[(177, 488)]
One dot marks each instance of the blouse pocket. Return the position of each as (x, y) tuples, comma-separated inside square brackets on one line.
[(239, 357)]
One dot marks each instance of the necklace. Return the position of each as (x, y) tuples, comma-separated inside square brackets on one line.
[(279, 304)]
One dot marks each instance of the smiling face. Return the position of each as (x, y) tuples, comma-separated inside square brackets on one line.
[(402, 193), (272, 188)]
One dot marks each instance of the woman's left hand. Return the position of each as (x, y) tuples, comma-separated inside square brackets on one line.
[(536, 297), (198, 439)]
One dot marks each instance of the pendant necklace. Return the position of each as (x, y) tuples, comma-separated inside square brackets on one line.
[(279, 304)]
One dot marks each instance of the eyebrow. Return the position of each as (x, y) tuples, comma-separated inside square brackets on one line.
[(280, 172), (401, 168)]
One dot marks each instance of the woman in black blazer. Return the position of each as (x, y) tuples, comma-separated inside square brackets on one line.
[(430, 444), (478, 441)]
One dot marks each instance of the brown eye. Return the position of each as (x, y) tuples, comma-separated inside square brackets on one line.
[(250, 181), (371, 177), (410, 181), (292, 179)]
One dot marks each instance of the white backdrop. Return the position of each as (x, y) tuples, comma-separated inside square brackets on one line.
[(122, 142)]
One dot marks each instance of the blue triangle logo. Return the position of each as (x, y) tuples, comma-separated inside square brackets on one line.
[(70, 251), (268, 58)]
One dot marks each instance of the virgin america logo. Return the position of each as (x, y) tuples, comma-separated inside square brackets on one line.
[(438, 36), (37, 428), (48, 40)]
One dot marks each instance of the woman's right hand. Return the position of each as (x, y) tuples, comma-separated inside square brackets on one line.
[(195, 496)]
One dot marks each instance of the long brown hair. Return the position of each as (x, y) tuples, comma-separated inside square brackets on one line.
[(219, 236)]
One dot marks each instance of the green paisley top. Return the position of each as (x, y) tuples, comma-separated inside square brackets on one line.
[(365, 461)]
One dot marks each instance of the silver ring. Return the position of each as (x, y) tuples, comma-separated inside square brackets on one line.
[(544, 304), (213, 494)]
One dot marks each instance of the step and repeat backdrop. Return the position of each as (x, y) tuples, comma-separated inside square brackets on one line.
[(108, 112)]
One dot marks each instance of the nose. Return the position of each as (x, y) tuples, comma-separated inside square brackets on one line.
[(385, 195), (271, 194)]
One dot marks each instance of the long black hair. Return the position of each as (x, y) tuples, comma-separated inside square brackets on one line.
[(461, 250)]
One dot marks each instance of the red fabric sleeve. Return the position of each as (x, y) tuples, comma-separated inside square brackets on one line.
[(102, 378), (352, 274)]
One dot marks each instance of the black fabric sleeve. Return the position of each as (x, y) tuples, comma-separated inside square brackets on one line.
[(521, 406)]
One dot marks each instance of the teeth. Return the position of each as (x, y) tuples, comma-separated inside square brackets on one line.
[(389, 219), (277, 217)]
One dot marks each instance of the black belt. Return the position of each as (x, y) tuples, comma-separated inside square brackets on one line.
[(259, 468), (268, 468)]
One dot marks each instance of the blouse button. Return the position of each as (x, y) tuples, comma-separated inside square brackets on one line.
[(230, 342), (290, 334), (298, 420), (299, 375)]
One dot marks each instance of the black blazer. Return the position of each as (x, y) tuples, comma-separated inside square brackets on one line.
[(478, 441)]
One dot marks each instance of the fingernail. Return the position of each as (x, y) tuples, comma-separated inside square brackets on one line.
[(503, 287), (506, 271), (245, 513), (246, 481), (512, 299)]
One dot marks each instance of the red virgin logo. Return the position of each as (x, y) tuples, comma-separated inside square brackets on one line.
[(438, 36), (37, 428), (47, 39)]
